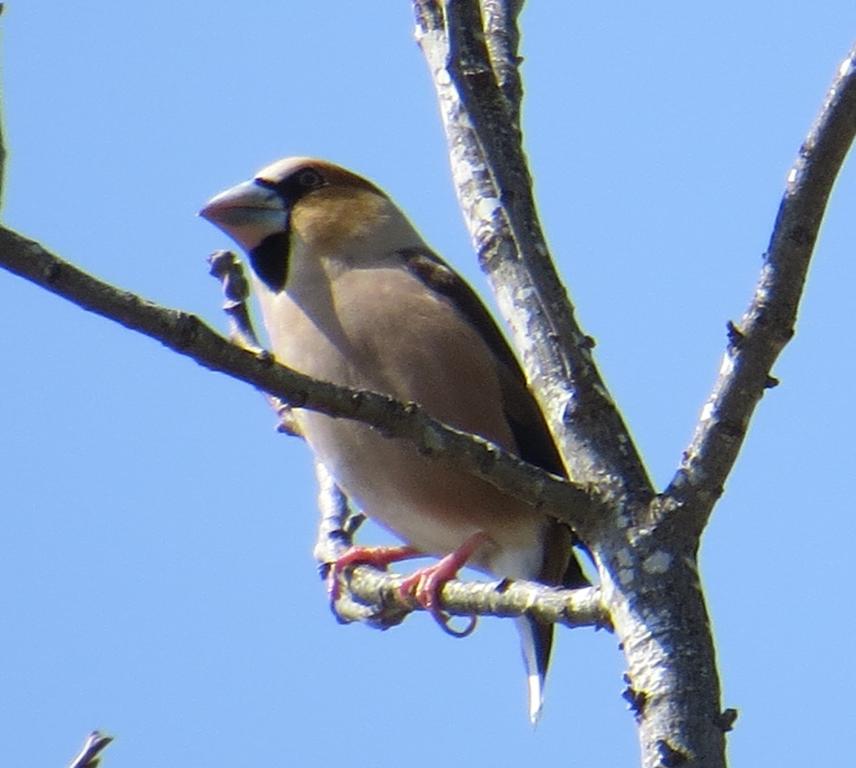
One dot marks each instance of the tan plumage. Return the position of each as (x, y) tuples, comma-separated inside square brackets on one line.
[(351, 294)]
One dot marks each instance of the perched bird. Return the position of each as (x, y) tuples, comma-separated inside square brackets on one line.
[(351, 294)]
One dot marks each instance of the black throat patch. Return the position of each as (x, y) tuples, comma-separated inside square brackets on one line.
[(269, 260)]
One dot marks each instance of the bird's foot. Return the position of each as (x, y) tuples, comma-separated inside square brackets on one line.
[(379, 557), (424, 585)]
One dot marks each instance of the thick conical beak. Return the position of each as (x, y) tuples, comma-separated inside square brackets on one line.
[(248, 213)]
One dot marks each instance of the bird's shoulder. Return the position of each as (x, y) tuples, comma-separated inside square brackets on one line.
[(433, 273), (533, 439)]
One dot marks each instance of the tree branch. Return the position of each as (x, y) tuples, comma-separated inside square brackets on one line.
[(768, 324), (502, 38), (227, 268), (373, 597), (188, 335), (571, 607), (494, 189), (90, 754)]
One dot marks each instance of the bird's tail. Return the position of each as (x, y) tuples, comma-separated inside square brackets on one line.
[(536, 641)]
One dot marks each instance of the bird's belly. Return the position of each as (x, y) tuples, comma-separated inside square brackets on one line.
[(426, 502)]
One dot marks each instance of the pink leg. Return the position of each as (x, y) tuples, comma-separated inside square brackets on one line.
[(379, 557), (425, 584)]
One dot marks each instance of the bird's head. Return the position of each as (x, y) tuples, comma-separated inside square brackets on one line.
[(300, 203)]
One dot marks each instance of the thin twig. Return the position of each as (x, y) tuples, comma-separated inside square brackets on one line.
[(571, 607), (337, 525), (227, 268), (89, 755), (768, 324)]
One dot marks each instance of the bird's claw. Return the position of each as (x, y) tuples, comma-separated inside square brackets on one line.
[(424, 586), (379, 557), (445, 622)]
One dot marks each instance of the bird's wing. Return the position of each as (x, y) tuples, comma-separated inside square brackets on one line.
[(531, 435)]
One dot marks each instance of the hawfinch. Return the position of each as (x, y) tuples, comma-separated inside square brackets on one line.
[(351, 294)]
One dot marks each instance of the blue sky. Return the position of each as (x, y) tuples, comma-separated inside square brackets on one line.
[(156, 578)]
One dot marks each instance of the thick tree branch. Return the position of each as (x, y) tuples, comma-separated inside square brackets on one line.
[(502, 38), (648, 573), (494, 190), (649, 577), (647, 561), (768, 324), (188, 335)]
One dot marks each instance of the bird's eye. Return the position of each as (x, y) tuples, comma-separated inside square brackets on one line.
[(309, 178)]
